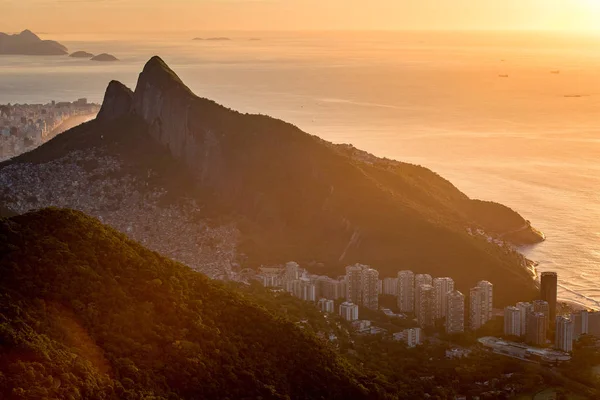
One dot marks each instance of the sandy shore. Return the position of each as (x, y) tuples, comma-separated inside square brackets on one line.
[(70, 123)]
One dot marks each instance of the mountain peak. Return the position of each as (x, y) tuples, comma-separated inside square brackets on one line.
[(158, 73), (118, 101), (27, 34)]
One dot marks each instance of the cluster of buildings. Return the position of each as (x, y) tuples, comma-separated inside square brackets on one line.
[(536, 322), (434, 300), (24, 126)]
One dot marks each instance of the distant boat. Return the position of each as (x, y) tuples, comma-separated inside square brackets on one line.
[(503, 76), (555, 72), (573, 95)]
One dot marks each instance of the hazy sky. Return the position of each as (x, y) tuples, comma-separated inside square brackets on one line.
[(198, 15)]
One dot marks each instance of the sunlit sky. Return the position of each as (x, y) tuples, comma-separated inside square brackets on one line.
[(212, 15)]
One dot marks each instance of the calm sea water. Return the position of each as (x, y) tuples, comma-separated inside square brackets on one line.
[(530, 140)]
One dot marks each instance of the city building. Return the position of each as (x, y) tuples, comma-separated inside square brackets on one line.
[(363, 286), (406, 291), (326, 305), (581, 323), (481, 302), (354, 280), (442, 286), (426, 306), (390, 286), (420, 280), (537, 328), (455, 312), (548, 290), (564, 334), (524, 310), (370, 288), (412, 337), (512, 321), (349, 311), (542, 306), (292, 271), (304, 289)]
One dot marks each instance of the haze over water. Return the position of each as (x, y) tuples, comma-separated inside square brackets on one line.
[(530, 140)]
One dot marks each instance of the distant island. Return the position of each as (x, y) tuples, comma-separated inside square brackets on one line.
[(29, 44), (81, 54), (105, 57), (214, 39)]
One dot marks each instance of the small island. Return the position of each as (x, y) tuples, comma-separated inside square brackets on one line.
[(28, 43), (81, 54), (104, 57)]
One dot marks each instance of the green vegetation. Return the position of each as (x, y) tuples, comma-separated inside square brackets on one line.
[(87, 314)]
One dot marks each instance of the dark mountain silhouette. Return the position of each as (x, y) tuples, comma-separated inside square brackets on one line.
[(104, 57), (290, 194), (87, 313), (81, 54), (28, 43)]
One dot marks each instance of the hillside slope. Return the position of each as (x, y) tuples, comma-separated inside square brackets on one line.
[(86, 313), (288, 195)]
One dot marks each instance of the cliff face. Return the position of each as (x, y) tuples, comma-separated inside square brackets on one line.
[(297, 197), (118, 101)]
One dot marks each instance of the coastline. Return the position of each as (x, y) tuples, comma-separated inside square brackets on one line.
[(69, 123)]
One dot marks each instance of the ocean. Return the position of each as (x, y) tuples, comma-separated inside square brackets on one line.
[(512, 117)]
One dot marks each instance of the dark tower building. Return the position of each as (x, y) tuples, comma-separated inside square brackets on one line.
[(548, 291)]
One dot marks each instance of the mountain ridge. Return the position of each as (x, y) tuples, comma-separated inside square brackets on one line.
[(28, 43), (296, 196)]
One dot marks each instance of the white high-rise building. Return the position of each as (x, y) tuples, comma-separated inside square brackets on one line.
[(524, 310), (326, 305), (481, 299), (363, 286), (442, 287), (581, 323), (420, 280), (512, 321), (390, 286), (412, 337), (304, 289), (370, 288), (291, 271), (455, 312), (349, 311), (542, 306), (354, 281), (426, 302), (406, 291), (564, 334)]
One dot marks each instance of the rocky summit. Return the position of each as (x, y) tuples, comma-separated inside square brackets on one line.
[(215, 188)]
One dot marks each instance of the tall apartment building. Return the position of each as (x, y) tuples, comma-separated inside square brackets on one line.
[(537, 328), (406, 291), (455, 312), (326, 305), (363, 286), (304, 289), (524, 310), (349, 311), (581, 323), (390, 286), (548, 290), (420, 280), (442, 286), (291, 271), (542, 306), (426, 302), (512, 321), (354, 281), (481, 301), (564, 334), (370, 288)]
